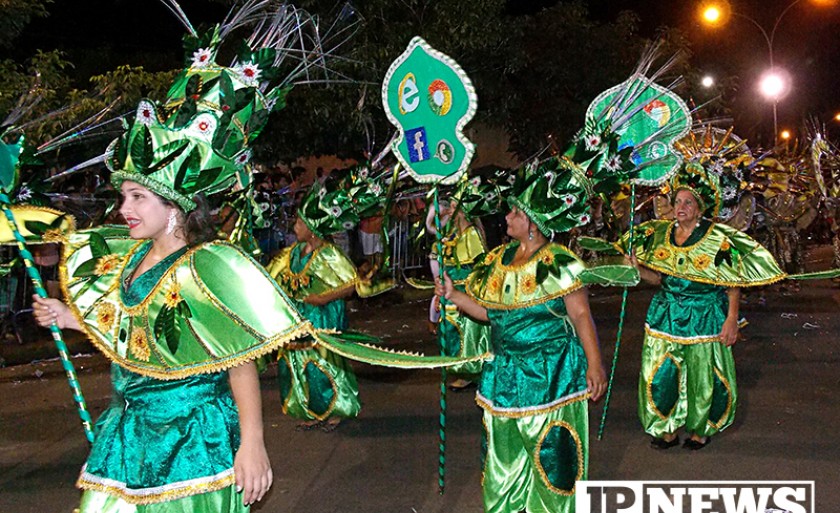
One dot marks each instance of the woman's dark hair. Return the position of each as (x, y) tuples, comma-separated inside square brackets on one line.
[(198, 223)]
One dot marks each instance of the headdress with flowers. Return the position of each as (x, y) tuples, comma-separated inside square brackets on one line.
[(628, 135), (716, 171), (342, 201), (199, 139)]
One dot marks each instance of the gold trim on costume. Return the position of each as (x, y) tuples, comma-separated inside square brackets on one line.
[(649, 384), (579, 448), (728, 410), (165, 493), (529, 411), (684, 341), (333, 385)]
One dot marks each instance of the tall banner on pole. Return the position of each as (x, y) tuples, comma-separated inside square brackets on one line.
[(430, 99)]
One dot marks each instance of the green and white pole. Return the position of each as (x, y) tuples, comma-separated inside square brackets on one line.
[(35, 276), (443, 373)]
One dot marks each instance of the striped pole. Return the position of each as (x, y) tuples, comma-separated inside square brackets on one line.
[(442, 306), (35, 276), (620, 319)]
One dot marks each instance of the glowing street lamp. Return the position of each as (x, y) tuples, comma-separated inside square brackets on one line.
[(773, 87), (785, 135), (708, 81), (837, 117), (712, 14)]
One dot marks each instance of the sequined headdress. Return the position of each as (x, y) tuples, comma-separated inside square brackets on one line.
[(716, 170)]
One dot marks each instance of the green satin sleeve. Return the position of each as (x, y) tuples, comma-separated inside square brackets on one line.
[(326, 269), (212, 309), (722, 256), (551, 272)]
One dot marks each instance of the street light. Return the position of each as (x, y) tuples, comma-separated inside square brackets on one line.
[(716, 12), (708, 81)]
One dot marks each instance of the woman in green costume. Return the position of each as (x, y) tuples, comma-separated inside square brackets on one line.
[(546, 361), (317, 385), (181, 316), (184, 429), (687, 379)]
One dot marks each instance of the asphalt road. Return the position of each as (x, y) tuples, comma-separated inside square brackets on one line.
[(386, 460)]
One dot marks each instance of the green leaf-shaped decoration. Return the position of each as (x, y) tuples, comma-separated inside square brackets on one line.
[(542, 272), (86, 269), (597, 244), (206, 178), (58, 221), (98, 245), (141, 149), (36, 227), (179, 147), (193, 86), (227, 96), (167, 327), (186, 112), (186, 175)]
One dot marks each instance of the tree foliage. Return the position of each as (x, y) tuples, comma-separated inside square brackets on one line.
[(16, 14)]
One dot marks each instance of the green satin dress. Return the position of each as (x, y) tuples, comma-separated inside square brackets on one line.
[(462, 335), (167, 441), (315, 383), (533, 391)]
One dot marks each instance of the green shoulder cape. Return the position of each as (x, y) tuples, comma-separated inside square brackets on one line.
[(724, 256), (326, 270), (552, 271), (214, 308)]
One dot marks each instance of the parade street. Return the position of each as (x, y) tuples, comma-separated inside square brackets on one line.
[(386, 461)]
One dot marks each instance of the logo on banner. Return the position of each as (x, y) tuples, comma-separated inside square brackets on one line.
[(695, 497), (418, 147), (408, 92)]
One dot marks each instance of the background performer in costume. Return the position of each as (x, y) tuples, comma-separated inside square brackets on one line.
[(546, 363), (316, 384), (687, 379), (462, 245)]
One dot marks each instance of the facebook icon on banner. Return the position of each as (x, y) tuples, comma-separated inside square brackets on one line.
[(418, 147)]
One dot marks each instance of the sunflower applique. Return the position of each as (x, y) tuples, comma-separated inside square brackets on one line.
[(105, 315), (106, 264), (494, 285), (547, 258), (701, 262), (172, 296), (138, 344), (528, 284), (661, 253)]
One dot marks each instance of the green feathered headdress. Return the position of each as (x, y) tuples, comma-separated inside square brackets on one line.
[(628, 136), (199, 139), (342, 202)]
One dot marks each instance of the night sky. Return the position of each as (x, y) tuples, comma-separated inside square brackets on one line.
[(805, 44)]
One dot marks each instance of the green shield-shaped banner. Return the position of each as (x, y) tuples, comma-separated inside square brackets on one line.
[(430, 99), (655, 112)]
